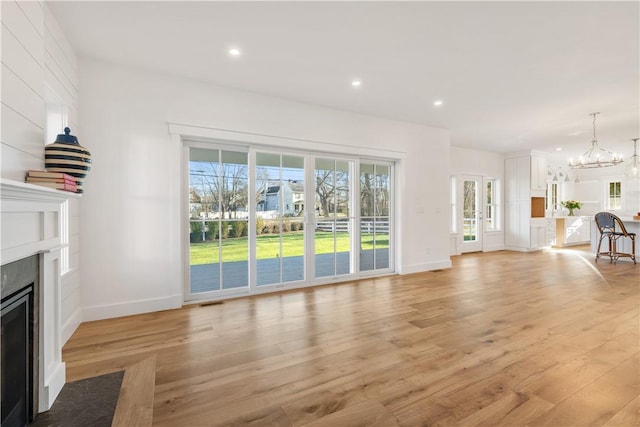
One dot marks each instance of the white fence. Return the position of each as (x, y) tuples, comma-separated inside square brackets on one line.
[(380, 227)]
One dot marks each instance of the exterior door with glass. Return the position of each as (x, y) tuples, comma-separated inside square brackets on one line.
[(375, 216), (218, 220), (471, 192), (280, 228), (334, 217), (260, 219)]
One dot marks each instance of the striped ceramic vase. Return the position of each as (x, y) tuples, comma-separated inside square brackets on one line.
[(68, 156)]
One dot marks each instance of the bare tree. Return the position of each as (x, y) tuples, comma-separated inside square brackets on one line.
[(374, 194), (224, 186), (469, 195), (332, 189), (366, 194)]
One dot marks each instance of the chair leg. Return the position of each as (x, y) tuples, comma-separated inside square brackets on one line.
[(612, 248), (599, 245)]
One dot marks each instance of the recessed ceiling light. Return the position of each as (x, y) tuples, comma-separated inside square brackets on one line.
[(558, 148), (437, 103), (234, 52), (356, 83)]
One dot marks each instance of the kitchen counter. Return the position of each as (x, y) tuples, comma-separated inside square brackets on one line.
[(573, 230)]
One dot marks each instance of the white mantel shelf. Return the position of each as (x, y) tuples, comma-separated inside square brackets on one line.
[(23, 191)]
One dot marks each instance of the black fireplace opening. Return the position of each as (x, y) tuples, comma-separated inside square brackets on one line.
[(17, 358), (19, 306)]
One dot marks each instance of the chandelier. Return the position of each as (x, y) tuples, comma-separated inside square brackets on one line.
[(595, 157), (633, 170)]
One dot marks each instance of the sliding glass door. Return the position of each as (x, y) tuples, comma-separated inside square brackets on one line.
[(261, 219), (333, 217), (280, 231), (375, 216), (218, 220)]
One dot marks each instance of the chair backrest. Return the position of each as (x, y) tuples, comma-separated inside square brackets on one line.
[(606, 222), (620, 225)]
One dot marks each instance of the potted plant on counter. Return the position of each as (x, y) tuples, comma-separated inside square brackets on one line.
[(571, 205)]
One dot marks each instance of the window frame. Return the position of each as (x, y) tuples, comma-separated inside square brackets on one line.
[(310, 277), (552, 196), (614, 195), (453, 208), (493, 207)]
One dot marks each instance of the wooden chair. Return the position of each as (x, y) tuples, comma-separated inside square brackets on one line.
[(611, 227)]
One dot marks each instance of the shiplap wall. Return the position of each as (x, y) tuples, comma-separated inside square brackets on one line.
[(39, 67)]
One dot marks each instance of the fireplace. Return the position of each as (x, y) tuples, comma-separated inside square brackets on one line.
[(31, 224), (19, 349)]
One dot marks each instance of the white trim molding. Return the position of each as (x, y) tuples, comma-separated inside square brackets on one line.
[(108, 311), (195, 132), (423, 267)]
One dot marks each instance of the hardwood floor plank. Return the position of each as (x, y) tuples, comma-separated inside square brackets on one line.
[(600, 400), (628, 416), (135, 403), (501, 338), (272, 416), (510, 410), (566, 379), (368, 413)]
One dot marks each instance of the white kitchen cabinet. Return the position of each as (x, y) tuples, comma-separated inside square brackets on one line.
[(551, 232), (525, 183), (517, 172), (538, 174), (516, 225), (538, 235)]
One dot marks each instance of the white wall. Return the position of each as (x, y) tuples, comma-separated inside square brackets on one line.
[(38, 67), (465, 161), (23, 112), (130, 210)]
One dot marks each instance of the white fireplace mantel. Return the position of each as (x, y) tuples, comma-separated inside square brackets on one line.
[(31, 223)]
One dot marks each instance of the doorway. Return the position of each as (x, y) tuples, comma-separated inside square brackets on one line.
[(472, 226), (262, 219)]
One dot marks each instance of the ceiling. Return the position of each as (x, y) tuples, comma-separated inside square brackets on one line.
[(511, 75)]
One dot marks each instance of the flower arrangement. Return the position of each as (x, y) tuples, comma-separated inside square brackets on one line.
[(571, 205)]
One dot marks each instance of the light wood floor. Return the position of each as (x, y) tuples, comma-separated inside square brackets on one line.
[(542, 339)]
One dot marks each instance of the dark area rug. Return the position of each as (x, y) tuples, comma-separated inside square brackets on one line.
[(88, 402)]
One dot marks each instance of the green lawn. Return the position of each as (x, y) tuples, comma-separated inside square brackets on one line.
[(268, 246)]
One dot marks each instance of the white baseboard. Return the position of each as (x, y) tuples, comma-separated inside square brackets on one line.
[(493, 248), (519, 249), (52, 386), (108, 311), (427, 266), (70, 326)]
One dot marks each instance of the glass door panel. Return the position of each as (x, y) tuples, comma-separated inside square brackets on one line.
[(218, 211), (375, 220), (471, 214), (234, 215), (279, 218), (333, 219), (204, 256)]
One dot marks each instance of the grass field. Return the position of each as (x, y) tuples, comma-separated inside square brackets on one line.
[(268, 246)]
